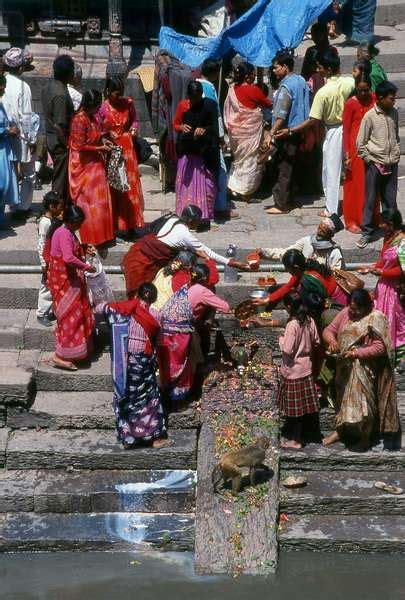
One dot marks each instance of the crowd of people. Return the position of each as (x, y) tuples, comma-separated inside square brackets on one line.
[(340, 343)]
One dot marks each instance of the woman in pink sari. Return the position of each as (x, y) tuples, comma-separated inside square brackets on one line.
[(178, 317), (244, 122), (389, 271)]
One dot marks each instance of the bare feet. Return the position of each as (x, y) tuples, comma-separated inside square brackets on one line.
[(59, 363), (291, 445), (162, 443), (331, 439), (276, 211)]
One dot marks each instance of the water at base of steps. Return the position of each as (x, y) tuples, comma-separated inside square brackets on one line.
[(170, 576)]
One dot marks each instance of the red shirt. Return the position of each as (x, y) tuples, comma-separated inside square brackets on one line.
[(251, 96), (182, 107)]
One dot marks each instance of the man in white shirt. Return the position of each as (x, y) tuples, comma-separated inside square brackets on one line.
[(18, 105), (74, 87), (319, 246)]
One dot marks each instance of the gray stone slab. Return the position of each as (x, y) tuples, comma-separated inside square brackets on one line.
[(390, 12), (341, 492), (4, 436), (315, 457), (106, 531), (17, 490), (81, 410), (347, 533), (16, 386), (115, 491), (36, 335), (94, 378), (94, 449), (12, 323)]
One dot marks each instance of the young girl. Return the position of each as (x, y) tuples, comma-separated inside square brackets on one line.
[(53, 208), (297, 395)]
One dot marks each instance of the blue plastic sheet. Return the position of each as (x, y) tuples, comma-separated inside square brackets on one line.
[(267, 27)]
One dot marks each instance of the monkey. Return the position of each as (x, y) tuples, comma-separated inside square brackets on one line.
[(229, 465)]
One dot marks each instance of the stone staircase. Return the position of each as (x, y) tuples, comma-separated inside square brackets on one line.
[(65, 482), (340, 509)]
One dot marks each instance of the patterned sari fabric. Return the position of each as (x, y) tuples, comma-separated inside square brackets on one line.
[(88, 183), (386, 297), (174, 350), (365, 389), (74, 317), (245, 129), (136, 400), (195, 184), (127, 206)]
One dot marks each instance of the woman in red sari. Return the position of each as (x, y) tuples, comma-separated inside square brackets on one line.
[(66, 282), (354, 184), (118, 120), (88, 183)]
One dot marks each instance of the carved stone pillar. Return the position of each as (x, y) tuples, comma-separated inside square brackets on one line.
[(3, 27), (116, 65)]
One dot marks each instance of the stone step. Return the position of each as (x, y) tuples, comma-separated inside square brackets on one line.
[(390, 12), (96, 531), (21, 292), (94, 378), (59, 491), (400, 106), (315, 457), (343, 492), (347, 533), (81, 410), (95, 449), (389, 42)]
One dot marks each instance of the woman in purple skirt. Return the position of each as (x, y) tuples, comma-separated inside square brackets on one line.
[(196, 122)]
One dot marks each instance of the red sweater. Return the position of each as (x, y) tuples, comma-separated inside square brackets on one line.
[(251, 96)]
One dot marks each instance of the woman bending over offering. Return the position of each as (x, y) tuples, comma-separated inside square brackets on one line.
[(136, 400), (297, 396), (365, 388), (179, 316)]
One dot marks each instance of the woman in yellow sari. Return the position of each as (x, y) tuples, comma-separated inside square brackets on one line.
[(366, 398)]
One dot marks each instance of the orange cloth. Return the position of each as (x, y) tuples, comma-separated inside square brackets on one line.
[(88, 183), (116, 121), (354, 184)]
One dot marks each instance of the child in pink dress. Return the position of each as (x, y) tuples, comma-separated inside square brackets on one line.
[(297, 396)]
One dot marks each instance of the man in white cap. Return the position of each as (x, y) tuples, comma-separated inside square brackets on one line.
[(18, 105), (319, 246)]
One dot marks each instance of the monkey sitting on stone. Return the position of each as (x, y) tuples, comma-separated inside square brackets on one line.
[(230, 465)]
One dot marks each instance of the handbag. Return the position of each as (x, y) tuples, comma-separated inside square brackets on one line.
[(348, 281), (143, 149), (116, 170)]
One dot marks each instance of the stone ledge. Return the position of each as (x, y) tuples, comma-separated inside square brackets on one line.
[(103, 531), (94, 449)]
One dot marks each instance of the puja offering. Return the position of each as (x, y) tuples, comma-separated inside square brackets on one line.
[(259, 295), (244, 310), (253, 260), (268, 281)]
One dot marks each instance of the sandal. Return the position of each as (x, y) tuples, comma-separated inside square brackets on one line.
[(387, 487), (162, 443)]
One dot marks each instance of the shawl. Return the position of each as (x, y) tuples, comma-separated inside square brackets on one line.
[(177, 313), (135, 309), (352, 334)]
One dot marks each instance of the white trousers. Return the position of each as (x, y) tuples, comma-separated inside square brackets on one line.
[(332, 167), (44, 301), (26, 186)]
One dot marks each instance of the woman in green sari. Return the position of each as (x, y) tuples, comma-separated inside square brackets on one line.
[(367, 51)]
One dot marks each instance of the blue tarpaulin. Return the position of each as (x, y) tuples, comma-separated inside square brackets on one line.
[(267, 27)]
